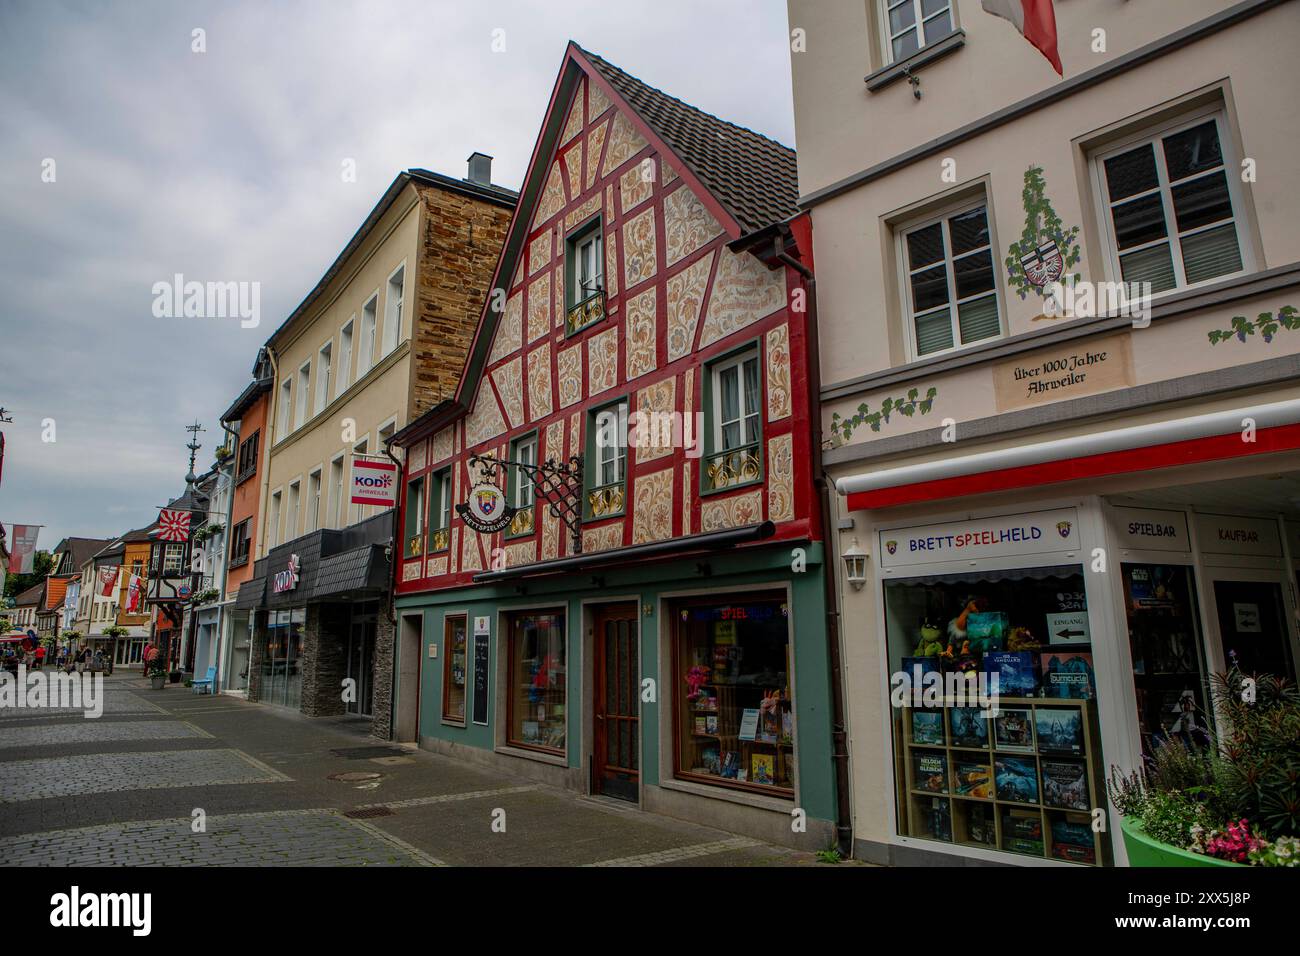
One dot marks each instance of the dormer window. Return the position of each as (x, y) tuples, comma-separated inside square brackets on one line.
[(585, 288)]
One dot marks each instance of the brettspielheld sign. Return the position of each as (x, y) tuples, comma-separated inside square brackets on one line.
[(374, 483), (1007, 536), (487, 510)]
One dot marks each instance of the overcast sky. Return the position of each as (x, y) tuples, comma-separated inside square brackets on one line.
[(225, 166)]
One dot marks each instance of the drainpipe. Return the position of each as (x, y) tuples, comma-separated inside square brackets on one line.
[(839, 732), (263, 498), (394, 560)]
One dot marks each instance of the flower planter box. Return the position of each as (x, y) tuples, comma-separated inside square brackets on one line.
[(1144, 851), (158, 681)]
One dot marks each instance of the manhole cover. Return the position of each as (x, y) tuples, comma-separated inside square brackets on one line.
[(364, 813), (354, 776), (368, 753)]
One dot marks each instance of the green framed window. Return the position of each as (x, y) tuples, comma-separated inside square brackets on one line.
[(440, 510), (415, 517), (519, 486), (584, 257), (733, 435), (606, 484)]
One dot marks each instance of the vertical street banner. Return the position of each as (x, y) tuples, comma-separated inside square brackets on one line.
[(374, 483), (134, 588), (107, 581), (22, 548)]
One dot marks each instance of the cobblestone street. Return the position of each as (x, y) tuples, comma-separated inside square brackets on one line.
[(270, 788)]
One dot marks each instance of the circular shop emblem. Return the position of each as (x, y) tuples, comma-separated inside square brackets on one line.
[(183, 590), (487, 510)]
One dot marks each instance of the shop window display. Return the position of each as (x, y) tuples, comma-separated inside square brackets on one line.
[(1168, 668), (538, 691), (1026, 779), (282, 657), (454, 669), (735, 715)]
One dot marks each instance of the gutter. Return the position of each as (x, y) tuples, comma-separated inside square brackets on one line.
[(393, 563), (712, 539)]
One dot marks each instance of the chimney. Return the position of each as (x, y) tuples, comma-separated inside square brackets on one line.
[(480, 168)]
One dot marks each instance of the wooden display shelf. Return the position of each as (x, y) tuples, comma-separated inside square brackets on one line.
[(958, 817)]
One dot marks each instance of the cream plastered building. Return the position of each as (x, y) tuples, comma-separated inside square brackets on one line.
[(1109, 489)]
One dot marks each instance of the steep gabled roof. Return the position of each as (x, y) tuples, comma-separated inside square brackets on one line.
[(31, 597), (754, 177), (78, 552), (55, 591)]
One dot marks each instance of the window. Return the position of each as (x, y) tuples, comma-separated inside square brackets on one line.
[(585, 262), (952, 298), (366, 357), (1170, 215), (440, 513), (912, 24), (536, 691), (608, 455), (345, 357), (454, 660), (304, 395), (393, 309), (286, 406), (173, 560), (246, 465), (359, 450), (291, 515), (336, 491), (240, 543), (415, 517), (735, 394), (313, 500), (521, 489), (324, 359), (273, 521), (734, 714)]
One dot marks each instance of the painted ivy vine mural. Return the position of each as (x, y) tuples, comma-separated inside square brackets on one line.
[(842, 429), (1266, 324), (1046, 248)]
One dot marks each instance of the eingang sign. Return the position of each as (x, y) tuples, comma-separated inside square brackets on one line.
[(374, 483)]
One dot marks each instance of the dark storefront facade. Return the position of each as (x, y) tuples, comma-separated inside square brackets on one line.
[(322, 641)]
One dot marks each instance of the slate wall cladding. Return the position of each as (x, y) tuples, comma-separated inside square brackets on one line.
[(381, 703), (460, 244), (324, 660), (676, 297)]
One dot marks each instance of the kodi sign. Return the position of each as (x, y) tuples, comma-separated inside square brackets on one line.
[(374, 483)]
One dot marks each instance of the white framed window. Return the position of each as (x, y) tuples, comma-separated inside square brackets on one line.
[(1171, 206), (611, 444), (738, 390), (304, 395), (286, 406), (908, 25), (525, 453), (324, 370), (273, 521), (359, 450), (336, 490), (366, 353), (173, 559), (291, 514), (950, 291), (442, 516), (313, 500), (345, 357), (589, 265), (393, 308)]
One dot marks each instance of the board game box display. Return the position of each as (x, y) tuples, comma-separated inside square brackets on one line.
[(1065, 784), (1016, 778), (1059, 729), (1013, 730), (927, 726), (972, 779), (970, 728), (932, 772)]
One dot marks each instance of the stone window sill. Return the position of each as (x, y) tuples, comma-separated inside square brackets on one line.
[(890, 74)]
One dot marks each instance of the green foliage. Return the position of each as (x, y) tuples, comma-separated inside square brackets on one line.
[(1266, 324), (1173, 817), (842, 429), (1258, 771), (1042, 224), (42, 565), (829, 856)]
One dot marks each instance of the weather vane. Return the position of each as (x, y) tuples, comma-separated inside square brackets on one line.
[(194, 446)]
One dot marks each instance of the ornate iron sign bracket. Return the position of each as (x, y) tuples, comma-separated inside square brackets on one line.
[(557, 483)]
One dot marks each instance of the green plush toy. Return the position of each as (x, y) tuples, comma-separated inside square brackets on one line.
[(931, 642)]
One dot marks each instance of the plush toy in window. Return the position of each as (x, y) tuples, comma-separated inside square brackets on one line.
[(957, 626), (930, 643), (696, 678), (1020, 639)]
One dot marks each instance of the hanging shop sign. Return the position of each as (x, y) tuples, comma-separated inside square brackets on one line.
[(287, 579), (374, 483), (1236, 535), (1144, 529), (980, 538), (487, 510)]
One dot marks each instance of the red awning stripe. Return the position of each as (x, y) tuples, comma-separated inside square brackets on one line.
[(1190, 452)]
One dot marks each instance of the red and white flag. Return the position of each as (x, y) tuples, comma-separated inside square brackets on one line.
[(133, 589), (22, 548), (173, 525), (107, 581), (1035, 19)]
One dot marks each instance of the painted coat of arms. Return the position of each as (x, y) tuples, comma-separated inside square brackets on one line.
[(1046, 250)]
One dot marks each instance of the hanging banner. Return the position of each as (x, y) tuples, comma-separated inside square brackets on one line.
[(374, 483), (134, 593), (107, 581), (22, 548), (487, 510)]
